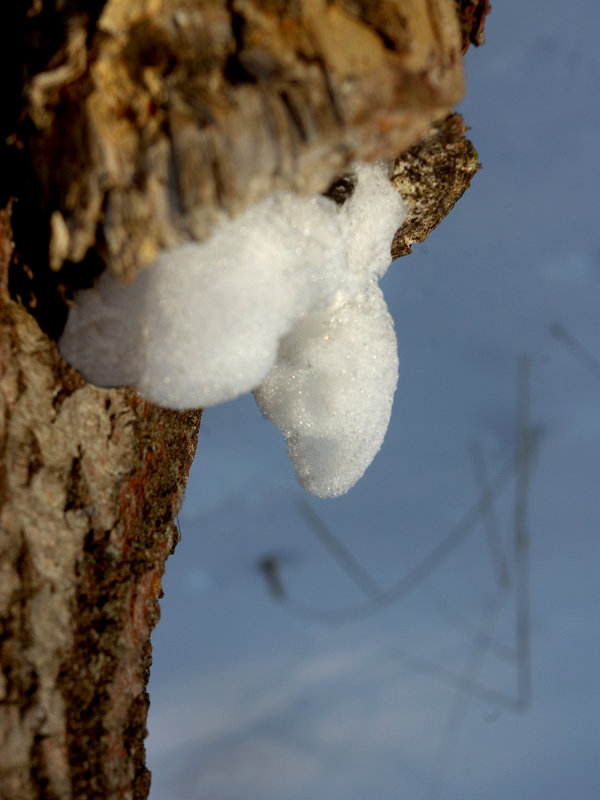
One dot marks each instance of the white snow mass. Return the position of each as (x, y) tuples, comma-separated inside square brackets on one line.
[(282, 300)]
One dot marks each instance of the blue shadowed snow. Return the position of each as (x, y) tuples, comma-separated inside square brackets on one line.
[(456, 684)]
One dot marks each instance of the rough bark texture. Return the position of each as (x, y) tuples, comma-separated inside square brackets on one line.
[(431, 176), (148, 124), (131, 125), (472, 15), (90, 482)]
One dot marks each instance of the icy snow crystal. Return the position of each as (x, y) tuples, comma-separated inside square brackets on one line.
[(282, 300)]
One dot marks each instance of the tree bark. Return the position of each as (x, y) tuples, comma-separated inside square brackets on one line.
[(90, 482), (130, 126)]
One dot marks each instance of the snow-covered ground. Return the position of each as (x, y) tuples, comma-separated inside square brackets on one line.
[(423, 645)]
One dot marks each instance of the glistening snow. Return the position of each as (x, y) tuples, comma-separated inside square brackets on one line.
[(283, 301)]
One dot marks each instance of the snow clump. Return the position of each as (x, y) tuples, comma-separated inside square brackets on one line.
[(283, 301)]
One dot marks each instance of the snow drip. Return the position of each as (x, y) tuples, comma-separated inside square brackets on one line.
[(283, 301)]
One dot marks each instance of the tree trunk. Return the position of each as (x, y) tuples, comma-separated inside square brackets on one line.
[(90, 482), (130, 126)]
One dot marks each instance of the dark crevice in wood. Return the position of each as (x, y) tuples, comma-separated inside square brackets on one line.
[(295, 116), (44, 292), (235, 71), (341, 189)]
